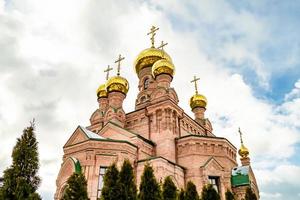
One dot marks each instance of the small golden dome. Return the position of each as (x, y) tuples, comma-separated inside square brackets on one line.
[(117, 84), (198, 100), (163, 66), (148, 57), (243, 151), (101, 91)]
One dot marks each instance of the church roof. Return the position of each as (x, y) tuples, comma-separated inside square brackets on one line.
[(90, 134)]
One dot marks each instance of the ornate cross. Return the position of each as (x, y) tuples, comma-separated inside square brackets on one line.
[(195, 81), (107, 71), (119, 63), (162, 45), (152, 33), (241, 135)]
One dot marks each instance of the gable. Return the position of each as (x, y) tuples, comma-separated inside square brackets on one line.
[(81, 134), (212, 165), (113, 131)]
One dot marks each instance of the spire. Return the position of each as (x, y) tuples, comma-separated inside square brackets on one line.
[(196, 84), (152, 33), (107, 71), (243, 151), (241, 137), (119, 63)]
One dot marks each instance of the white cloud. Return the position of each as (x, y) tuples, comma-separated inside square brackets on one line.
[(295, 93), (56, 52)]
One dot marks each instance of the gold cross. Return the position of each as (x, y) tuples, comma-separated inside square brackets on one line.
[(119, 63), (195, 81), (162, 45), (152, 33), (162, 48), (107, 71), (241, 135)]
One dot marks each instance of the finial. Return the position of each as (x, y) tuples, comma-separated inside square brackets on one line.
[(119, 63), (107, 71), (152, 33), (195, 81), (241, 138), (162, 47)]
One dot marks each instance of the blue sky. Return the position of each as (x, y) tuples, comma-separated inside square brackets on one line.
[(245, 52)]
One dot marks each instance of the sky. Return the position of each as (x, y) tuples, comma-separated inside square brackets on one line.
[(247, 54)]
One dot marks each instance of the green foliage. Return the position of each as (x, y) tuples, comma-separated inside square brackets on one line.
[(128, 189), (76, 188), (149, 188), (111, 188), (191, 192), (181, 195), (20, 179), (229, 195), (169, 189), (209, 193), (250, 195)]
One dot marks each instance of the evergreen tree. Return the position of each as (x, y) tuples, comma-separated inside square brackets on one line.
[(209, 193), (191, 192), (181, 195), (169, 189), (111, 187), (229, 195), (127, 182), (20, 179), (149, 188), (76, 188), (250, 195)]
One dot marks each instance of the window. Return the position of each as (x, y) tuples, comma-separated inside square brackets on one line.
[(146, 83), (102, 171), (215, 182)]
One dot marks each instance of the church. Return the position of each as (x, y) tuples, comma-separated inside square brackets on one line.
[(157, 132)]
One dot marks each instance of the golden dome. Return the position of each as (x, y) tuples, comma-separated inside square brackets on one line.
[(117, 84), (243, 151), (163, 66), (148, 57), (101, 91), (198, 100)]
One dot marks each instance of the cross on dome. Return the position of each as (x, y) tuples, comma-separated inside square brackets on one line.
[(195, 81), (107, 71), (241, 135), (162, 45), (152, 33), (119, 63)]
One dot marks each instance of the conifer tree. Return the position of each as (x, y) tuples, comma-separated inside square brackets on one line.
[(229, 195), (149, 187), (169, 189), (76, 188), (250, 195), (20, 179), (181, 195), (209, 193), (191, 192), (111, 187), (127, 182)]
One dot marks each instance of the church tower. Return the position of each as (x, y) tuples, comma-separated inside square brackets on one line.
[(157, 131)]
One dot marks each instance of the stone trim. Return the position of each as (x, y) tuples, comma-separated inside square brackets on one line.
[(157, 157)]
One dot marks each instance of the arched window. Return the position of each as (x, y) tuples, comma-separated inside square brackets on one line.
[(146, 83)]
